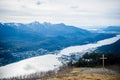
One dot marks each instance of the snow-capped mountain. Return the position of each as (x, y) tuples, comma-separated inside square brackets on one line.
[(20, 41), (50, 61)]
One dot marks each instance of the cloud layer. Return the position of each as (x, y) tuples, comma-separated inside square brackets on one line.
[(73, 12)]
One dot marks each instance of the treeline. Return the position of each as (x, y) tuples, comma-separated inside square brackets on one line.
[(93, 60), (34, 76)]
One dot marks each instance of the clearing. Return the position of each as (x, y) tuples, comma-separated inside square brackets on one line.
[(86, 74)]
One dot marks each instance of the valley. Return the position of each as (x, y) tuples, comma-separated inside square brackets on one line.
[(40, 63)]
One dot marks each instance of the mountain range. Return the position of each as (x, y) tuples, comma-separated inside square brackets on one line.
[(19, 41)]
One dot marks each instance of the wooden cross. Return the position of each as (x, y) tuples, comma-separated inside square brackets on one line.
[(103, 58)]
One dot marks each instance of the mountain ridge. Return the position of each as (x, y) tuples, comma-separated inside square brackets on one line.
[(21, 41)]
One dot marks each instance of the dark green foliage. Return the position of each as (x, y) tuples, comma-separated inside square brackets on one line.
[(113, 59), (89, 60), (94, 60)]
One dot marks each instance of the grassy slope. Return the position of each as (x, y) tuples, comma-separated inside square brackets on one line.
[(86, 74)]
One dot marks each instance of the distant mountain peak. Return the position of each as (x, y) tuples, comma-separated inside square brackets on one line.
[(47, 23), (35, 22), (61, 24), (112, 29)]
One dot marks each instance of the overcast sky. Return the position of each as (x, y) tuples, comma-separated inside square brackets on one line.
[(72, 12)]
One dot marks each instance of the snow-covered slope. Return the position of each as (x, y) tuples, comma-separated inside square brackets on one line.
[(50, 61), (31, 65), (83, 48)]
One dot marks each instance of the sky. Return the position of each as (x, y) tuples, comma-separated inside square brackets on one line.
[(79, 13)]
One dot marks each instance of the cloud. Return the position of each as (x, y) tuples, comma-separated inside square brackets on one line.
[(74, 7), (23, 6), (38, 2), (74, 12)]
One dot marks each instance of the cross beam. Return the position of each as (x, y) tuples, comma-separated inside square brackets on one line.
[(103, 58)]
